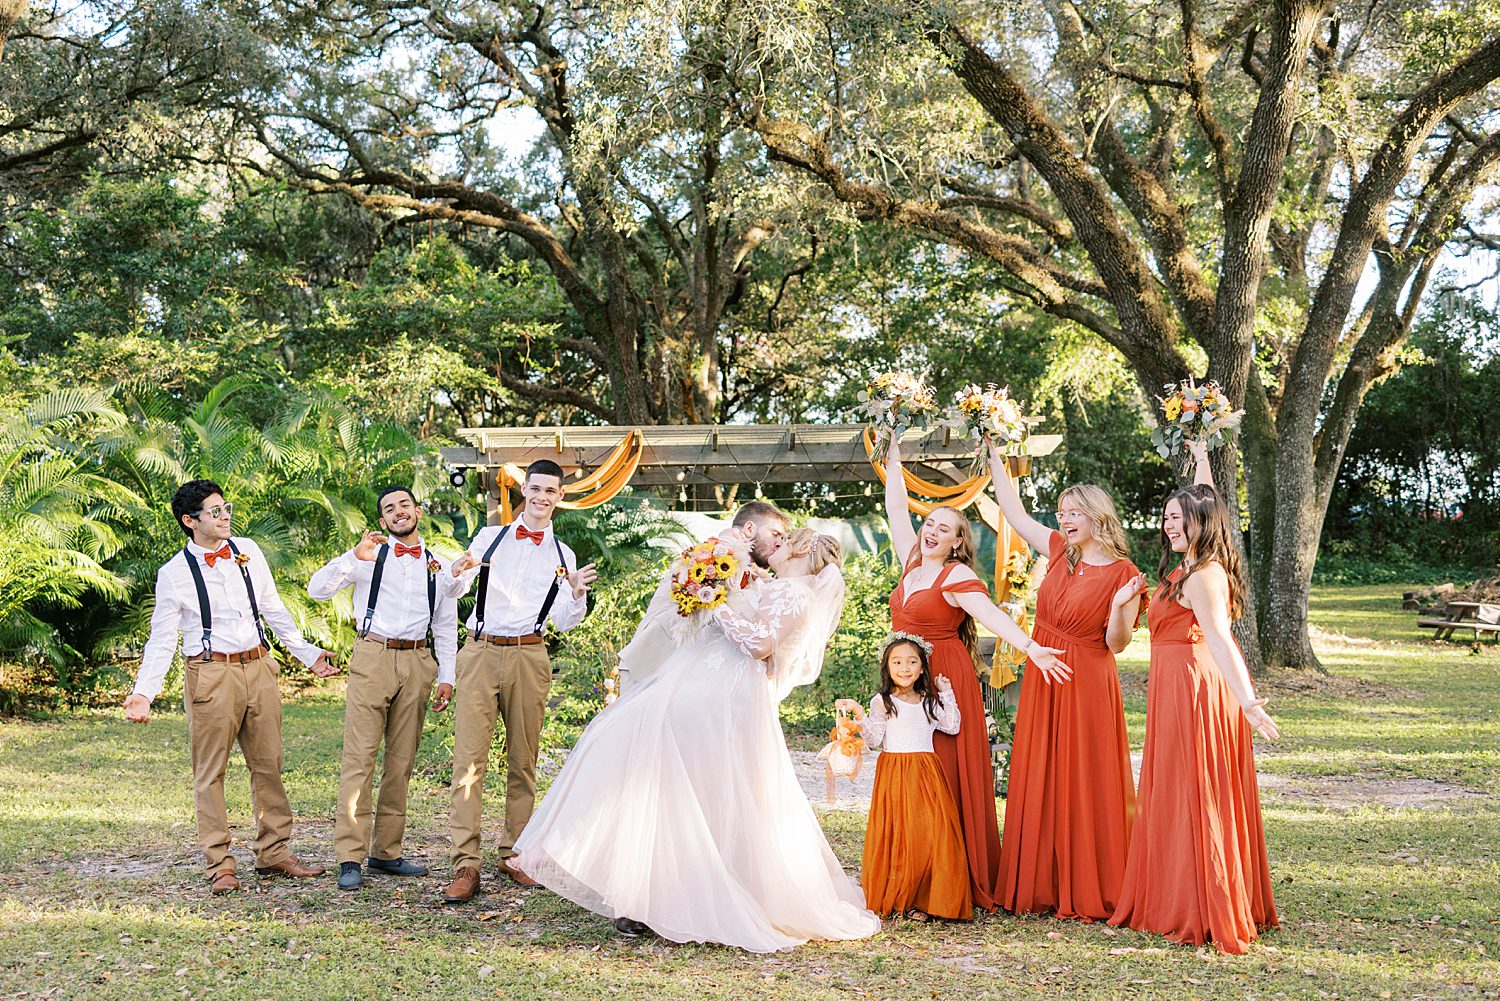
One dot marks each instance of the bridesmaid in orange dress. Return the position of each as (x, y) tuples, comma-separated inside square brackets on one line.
[(940, 598), (1197, 870), (1071, 798)]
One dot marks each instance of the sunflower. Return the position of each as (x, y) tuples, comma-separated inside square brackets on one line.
[(726, 566), (1172, 407)]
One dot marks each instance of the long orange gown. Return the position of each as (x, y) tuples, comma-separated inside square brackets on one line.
[(1197, 870), (965, 758), (1071, 797)]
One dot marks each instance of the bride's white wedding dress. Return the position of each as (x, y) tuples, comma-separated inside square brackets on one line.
[(679, 806)]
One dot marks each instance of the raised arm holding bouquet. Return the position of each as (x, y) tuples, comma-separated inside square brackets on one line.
[(988, 415), (1193, 413)]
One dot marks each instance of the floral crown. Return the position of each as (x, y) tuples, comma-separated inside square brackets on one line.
[(896, 636)]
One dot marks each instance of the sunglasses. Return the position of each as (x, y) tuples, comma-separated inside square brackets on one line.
[(217, 511)]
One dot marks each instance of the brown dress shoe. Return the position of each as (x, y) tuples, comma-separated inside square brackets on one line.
[(224, 882), (464, 886), (289, 866), (506, 869)]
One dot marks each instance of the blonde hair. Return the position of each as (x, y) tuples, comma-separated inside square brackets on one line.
[(1098, 506), (821, 550)]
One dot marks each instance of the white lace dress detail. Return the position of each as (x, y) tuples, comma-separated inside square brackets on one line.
[(679, 806), (909, 731)]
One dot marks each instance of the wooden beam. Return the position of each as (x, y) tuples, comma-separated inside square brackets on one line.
[(722, 454)]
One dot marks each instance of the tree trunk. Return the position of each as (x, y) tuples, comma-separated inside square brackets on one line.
[(1294, 550), (11, 11)]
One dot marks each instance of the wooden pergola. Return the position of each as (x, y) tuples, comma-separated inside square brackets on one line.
[(675, 455)]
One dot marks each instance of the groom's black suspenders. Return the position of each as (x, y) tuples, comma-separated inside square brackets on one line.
[(385, 549), (206, 614), (484, 584)]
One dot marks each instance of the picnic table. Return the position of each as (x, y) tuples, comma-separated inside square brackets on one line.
[(1473, 615)]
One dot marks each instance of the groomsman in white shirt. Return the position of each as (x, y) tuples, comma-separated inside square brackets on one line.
[(218, 595), (401, 595), (527, 576)]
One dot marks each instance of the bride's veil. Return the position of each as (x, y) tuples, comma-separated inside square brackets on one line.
[(798, 657)]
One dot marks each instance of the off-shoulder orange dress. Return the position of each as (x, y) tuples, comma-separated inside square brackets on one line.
[(1197, 870), (965, 758), (1070, 802)]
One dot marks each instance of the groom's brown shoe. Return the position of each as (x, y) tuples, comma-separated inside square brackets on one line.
[(289, 866), (465, 884), (224, 882), (506, 869)]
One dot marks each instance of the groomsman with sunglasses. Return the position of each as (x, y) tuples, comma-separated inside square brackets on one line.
[(527, 577), (408, 635), (217, 594)]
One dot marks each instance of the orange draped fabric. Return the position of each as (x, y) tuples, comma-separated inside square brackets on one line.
[(600, 486)]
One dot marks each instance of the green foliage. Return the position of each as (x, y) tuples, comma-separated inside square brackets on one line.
[(1420, 482), (61, 518)]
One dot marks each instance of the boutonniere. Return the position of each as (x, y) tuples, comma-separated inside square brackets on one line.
[(243, 559), (562, 573), (433, 566)]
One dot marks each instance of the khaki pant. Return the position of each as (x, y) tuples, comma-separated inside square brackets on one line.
[(228, 703), (510, 682), (386, 700)]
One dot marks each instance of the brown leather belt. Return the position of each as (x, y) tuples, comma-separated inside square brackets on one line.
[(420, 644), (526, 640), (243, 657)]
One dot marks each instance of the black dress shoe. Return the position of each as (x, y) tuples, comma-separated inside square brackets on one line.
[(631, 929), (395, 867), (350, 877)]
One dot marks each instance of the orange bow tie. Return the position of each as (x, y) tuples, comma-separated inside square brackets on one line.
[(408, 550), (522, 532), (212, 558)]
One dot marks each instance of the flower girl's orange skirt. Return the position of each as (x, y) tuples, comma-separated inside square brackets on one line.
[(914, 845)]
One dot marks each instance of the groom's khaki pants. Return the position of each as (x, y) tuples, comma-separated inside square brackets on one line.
[(511, 683)]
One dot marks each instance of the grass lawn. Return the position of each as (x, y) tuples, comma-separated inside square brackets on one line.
[(1381, 809)]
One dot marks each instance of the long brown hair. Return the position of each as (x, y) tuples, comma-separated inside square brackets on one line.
[(1210, 539), (1104, 521), (964, 549)]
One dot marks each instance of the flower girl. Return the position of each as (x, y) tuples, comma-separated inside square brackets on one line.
[(914, 861)]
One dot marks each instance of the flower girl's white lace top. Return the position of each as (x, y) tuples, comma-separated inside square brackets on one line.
[(909, 731)]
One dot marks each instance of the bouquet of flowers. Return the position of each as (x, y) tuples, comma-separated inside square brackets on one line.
[(1200, 413), (893, 402), (989, 415), (703, 575)]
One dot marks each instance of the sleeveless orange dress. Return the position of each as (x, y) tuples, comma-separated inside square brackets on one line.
[(965, 758), (1197, 870), (1071, 798)]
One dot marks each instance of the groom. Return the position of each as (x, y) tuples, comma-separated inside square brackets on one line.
[(759, 523)]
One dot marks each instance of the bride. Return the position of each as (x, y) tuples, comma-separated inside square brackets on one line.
[(679, 809)]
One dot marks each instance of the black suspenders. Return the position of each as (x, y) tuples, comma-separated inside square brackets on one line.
[(204, 611), (364, 627), (484, 584), (385, 548)]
